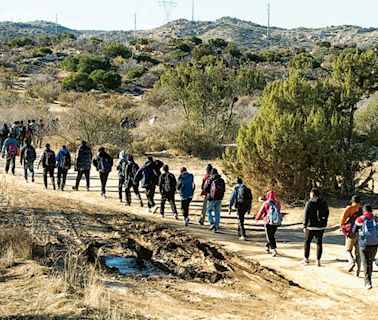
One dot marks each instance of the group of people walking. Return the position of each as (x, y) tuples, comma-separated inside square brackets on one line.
[(359, 225)]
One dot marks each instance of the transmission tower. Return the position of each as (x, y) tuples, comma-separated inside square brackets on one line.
[(167, 5), (193, 8), (268, 25)]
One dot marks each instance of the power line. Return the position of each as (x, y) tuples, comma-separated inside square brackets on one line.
[(167, 5)]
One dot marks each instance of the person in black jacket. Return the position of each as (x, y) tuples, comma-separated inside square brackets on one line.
[(103, 163), (315, 222), (48, 164), (130, 169), (27, 158), (167, 186), (83, 163), (4, 132), (149, 175)]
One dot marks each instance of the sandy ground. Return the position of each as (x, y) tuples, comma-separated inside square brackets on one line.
[(253, 285)]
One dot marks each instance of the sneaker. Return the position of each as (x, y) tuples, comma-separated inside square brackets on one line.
[(149, 210), (62, 189), (186, 221), (54, 187), (200, 222), (357, 273), (75, 189), (120, 200), (33, 179), (267, 250), (212, 227), (87, 189), (216, 229), (274, 253), (162, 215), (368, 286), (318, 264), (351, 266), (141, 203), (242, 238), (176, 216), (305, 261), (154, 209)]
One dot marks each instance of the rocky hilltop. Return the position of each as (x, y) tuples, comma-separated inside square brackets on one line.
[(244, 33)]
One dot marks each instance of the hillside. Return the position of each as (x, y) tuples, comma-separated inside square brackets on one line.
[(245, 33)]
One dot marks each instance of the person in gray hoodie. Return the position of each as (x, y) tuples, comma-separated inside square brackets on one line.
[(9, 151), (186, 188), (121, 164)]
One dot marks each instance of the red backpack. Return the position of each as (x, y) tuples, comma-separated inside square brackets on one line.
[(218, 189)]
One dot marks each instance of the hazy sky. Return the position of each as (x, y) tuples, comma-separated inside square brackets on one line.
[(119, 14)]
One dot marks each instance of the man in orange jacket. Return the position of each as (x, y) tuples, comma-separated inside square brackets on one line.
[(347, 220)]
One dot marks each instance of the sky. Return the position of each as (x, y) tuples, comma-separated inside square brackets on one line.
[(119, 14)]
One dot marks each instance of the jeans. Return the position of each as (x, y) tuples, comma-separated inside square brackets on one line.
[(28, 167), (216, 206), (171, 199), (270, 232), (367, 258), (241, 211), (62, 177), (150, 194), (48, 171), (10, 162), (135, 187), (80, 173), (104, 179), (185, 207), (309, 235)]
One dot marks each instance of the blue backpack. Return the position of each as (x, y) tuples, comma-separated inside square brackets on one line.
[(369, 232), (274, 214)]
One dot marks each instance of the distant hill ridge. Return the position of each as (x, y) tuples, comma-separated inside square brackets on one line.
[(244, 33)]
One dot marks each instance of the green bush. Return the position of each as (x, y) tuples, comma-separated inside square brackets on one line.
[(20, 42), (104, 80), (136, 73), (202, 50), (146, 58), (70, 63), (115, 49), (78, 81), (88, 63), (40, 52)]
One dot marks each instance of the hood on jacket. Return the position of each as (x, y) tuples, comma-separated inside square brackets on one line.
[(64, 150), (271, 196), (122, 155), (185, 175), (215, 176)]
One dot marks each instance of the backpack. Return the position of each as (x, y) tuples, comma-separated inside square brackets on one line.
[(12, 149), (66, 161), (369, 232), (49, 159), (169, 185), (217, 189), (104, 165), (29, 155), (244, 196), (274, 214), (131, 169), (347, 228)]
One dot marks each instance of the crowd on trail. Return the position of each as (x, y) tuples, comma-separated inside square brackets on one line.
[(358, 224)]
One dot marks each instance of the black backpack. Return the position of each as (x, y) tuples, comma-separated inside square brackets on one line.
[(169, 185), (29, 155), (49, 159), (217, 189), (131, 169), (66, 161), (104, 164), (244, 196)]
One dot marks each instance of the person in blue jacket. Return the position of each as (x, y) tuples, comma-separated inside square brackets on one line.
[(63, 163), (186, 188)]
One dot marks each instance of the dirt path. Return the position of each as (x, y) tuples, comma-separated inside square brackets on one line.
[(248, 292)]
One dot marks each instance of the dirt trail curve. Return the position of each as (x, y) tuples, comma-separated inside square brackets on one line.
[(326, 292)]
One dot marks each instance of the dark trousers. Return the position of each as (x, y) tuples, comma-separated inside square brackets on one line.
[(10, 162), (150, 194), (367, 258), (104, 179), (80, 173), (48, 171), (185, 207), (241, 212), (62, 177), (270, 232), (135, 187), (309, 235), (121, 182), (171, 199)]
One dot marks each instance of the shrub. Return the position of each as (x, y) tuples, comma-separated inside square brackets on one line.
[(20, 42), (104, 80), (115, 49), (88, 63), (136, 73), (70, 63), (44, 87), (78, 81), (15, 243), (201, 50), (146, 58), (40, 52)]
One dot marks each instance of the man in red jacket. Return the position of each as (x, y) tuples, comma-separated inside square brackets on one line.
[(204, 194)]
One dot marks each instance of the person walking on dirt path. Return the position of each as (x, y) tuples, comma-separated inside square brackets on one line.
[(103, 163), (149, 175), (215, 187), (41, 133), (9, 151), (315, 222), (28, 132), (186, 189), (270, 212), (130, 169), (83, 163), (167, 187), (366, 226), (63, 163), (35, 132), (347, 220), (27, 158), (121, 164), (4, 132), (48, 164), (241, 197), (204, 194), (23, 132)]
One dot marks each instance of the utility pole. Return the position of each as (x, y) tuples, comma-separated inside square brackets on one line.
[(56, 23), (268, 26), (135, 25), (193, 11), (167, 5)]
